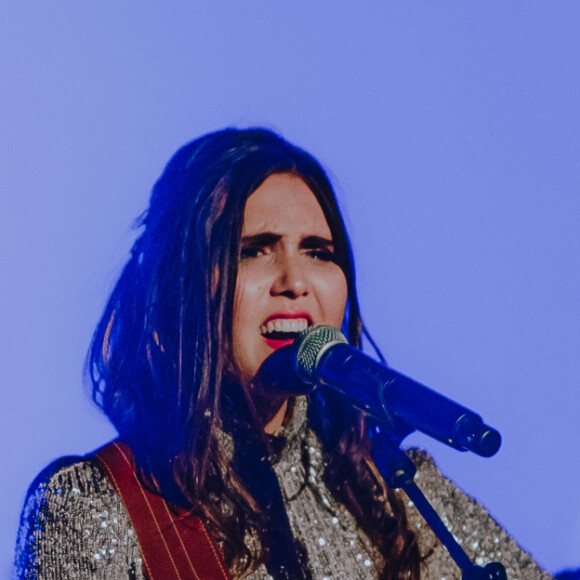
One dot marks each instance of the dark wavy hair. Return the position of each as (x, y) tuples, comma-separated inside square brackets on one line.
[(160, 363)]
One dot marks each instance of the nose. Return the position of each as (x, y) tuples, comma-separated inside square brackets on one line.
[(291, 279)]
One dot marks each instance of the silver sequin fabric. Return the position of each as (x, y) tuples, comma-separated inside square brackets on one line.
[(74, 526)]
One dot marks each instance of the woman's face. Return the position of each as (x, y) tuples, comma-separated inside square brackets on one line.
[(287, 277)]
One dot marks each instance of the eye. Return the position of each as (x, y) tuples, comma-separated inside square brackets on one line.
[(250, 251), (322, 254), (260, 244)]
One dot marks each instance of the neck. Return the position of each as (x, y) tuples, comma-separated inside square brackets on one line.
[(277, 420)]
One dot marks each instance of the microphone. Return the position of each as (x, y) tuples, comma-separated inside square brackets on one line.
[(322, 356)]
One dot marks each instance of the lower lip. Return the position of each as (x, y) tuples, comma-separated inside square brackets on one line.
[(276, 344)]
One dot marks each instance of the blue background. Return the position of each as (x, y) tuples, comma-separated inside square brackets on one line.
[(451, 131)]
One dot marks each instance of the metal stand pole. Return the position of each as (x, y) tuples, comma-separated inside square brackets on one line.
[(399, 471)]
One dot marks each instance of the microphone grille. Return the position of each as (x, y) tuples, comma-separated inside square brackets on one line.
[(311, 344)]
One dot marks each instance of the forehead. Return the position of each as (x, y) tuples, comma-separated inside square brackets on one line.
[(284, 204)]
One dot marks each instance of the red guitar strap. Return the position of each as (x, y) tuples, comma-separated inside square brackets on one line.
[(173, 547)]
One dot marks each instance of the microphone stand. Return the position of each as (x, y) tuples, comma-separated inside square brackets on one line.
[(399, 472)]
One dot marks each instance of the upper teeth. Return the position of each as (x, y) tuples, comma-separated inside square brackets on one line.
[(285, 325)]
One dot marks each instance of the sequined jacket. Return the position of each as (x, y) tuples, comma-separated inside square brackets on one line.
[(74, 525)]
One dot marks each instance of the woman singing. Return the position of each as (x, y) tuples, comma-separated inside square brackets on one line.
[(242, 247)]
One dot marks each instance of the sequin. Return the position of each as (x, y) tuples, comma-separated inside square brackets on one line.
[(56, 520)]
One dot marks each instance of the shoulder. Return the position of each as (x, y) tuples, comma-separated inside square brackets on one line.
[(67, 488), (67, 475), (73, 523), (479, 534)]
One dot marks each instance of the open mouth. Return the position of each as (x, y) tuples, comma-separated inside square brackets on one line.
[(281, 331)]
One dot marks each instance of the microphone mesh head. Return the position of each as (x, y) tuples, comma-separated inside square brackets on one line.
[(311, 343)]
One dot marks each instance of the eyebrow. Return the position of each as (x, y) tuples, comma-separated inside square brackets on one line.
[(270, 238)]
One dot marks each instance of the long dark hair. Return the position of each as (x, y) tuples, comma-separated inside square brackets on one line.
[(160, 361)]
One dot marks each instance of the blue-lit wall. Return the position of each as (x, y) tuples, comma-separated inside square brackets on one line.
[(451, 130)]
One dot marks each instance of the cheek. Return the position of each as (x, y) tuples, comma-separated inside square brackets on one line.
[(239, 330), (334, 299), (247, 296), (242, 305), (245, 325)]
